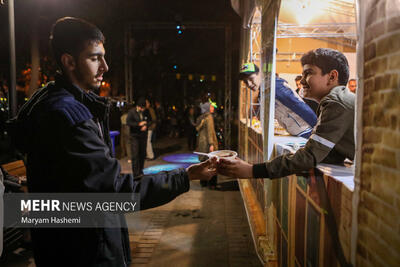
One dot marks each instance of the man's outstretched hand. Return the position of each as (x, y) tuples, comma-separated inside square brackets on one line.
[(203, 171), (235, 168)]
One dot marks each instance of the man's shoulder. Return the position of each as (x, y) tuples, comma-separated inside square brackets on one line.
[(340, 95), (61, 103)]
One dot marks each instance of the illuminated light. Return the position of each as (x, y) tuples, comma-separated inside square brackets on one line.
[(26, 99), (1, 99), (178, 27), (306, 10), (173, 107), (103, 83), (164, 167), (182, 158), (213, 78), (178, 76), (202, 77), (179, 32), (190, 77), (175, 67)]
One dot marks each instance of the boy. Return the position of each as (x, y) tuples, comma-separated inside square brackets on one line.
[(325, 75)]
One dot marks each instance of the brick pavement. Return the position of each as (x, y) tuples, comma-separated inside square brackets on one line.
[(199, 228)]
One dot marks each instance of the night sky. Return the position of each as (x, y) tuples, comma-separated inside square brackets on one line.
[(195, 51)]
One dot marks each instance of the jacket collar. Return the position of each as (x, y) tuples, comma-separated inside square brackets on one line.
[(333, 92), (98, 106)]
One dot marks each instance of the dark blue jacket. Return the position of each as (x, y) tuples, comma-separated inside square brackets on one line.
[(64, 132)]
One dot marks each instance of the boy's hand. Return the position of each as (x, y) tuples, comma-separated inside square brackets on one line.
[(235, 168), (203, 171)]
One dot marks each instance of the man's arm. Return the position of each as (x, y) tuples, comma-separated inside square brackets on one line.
[(99, 172), (331, 126)]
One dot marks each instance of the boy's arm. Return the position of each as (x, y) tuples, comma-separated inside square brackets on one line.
[(333, 122)]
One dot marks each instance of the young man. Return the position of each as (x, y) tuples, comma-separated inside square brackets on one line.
[(352, 85), (291, 111), (64, 131), (138, 121), (325, 75), (299, 86)]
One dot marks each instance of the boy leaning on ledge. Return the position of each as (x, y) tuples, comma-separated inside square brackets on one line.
[(325, 75)]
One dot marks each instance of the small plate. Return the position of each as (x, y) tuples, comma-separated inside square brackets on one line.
[(226, 154)]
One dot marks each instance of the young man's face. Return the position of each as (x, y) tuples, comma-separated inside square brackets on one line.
[(253, 81), (352, 86), (90, 66), (298, 84), (315, 84)]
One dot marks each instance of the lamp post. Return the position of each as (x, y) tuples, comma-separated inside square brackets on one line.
[(12, 100)]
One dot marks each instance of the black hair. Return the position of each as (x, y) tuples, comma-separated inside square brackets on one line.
[(298, 78), (352, 80), (327, 60), (243, 76), (70, 35), (141, 102)]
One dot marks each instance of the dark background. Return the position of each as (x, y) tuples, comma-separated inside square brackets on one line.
[(196, 51)]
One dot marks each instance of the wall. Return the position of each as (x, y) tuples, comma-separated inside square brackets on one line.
[(378, 241)]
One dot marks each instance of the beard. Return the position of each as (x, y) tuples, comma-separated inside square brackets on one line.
[(85, 81)]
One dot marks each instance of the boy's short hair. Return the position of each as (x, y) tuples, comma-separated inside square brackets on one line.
[(70, 36), (248, 69), (298, 78), (328, 59)]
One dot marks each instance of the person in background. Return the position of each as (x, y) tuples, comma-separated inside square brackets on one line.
[(125, 136), (299, 87), (190, 128), (151, 128), (352, 85), (207, 141), (160, 114), (325, 75), (138, 122)]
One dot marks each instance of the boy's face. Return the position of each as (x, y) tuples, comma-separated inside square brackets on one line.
[(90, 66), (253, 81), (315, 84)]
